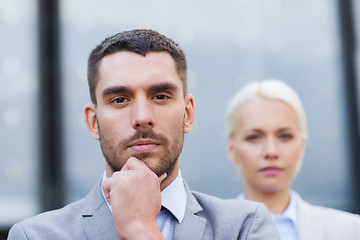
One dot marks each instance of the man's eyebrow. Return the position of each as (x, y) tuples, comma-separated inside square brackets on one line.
[(162, 87), (115, 90)]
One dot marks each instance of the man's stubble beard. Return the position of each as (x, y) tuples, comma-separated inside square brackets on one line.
[(114, 155)]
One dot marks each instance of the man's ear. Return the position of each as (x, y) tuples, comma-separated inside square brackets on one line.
[(189, 113), (90, 120)]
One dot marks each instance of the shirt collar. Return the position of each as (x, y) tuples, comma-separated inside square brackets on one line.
[(290, 212), (173, 197)]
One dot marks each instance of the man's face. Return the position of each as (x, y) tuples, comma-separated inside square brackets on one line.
[(141, 110)]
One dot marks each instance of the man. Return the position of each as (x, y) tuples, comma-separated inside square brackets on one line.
[(140, 112)]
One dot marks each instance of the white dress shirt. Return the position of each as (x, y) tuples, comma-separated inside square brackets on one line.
[(173, 201), (286, 223)]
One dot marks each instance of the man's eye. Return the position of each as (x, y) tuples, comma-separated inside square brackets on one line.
[(119, 100), (161, 97)]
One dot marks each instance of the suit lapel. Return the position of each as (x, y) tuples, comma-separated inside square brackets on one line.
[(192, 227), (97, 219), (309, 226)]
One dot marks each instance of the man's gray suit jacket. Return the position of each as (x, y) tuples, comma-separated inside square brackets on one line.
[(206, 217)]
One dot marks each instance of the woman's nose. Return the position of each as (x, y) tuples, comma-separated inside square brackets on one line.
[(271, 149)]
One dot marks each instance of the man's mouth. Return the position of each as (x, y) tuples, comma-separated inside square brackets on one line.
[(143, 146)]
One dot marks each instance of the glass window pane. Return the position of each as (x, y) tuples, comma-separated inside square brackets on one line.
[(18, 112)]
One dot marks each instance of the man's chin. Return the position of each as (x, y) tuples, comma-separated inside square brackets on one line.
[(145, 157), (155, 168)]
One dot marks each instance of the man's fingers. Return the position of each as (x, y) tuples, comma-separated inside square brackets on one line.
[(106, 187), (162, 177), (134, 164)]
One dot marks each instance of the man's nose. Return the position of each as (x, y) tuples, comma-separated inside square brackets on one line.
[(142, 114)]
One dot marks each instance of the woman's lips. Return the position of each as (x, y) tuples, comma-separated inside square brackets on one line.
[(271, 171)]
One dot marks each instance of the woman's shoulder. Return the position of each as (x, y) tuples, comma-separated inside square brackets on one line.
[(318, 222), (327, 214)]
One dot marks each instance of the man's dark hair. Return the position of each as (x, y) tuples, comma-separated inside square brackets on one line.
[(139, 41)]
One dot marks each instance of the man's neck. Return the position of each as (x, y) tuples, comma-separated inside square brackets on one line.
[(171, 176)]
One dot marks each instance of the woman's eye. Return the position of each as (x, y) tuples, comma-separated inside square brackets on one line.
[(285, 136), (252, 138)]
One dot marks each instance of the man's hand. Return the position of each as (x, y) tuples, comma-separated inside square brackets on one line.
[(135, 199)]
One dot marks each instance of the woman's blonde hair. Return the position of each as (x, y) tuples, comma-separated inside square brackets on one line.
[(272, 89)]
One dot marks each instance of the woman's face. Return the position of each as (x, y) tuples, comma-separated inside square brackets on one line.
[(266, 144)]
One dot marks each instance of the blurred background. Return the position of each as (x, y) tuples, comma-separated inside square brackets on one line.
[(47, 156)]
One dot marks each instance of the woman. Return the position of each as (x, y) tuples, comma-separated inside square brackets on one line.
[(266, 132)]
